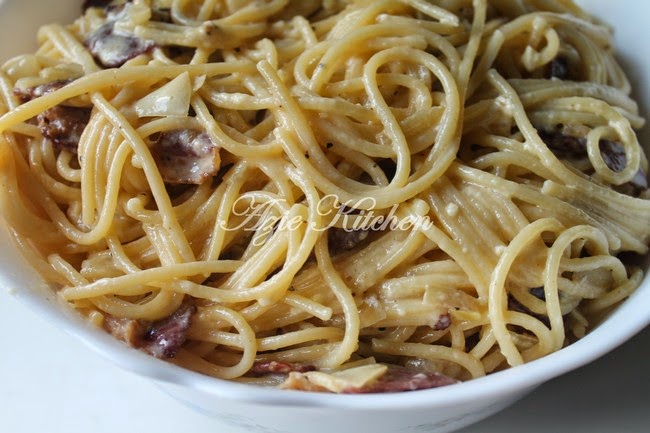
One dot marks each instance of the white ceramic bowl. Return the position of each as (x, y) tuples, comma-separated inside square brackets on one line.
[(256, 409)]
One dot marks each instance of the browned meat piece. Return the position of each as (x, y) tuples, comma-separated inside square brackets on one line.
[(164, 337), (64, 125), (275, 367), (112, 48), (34, 92), (399, 379), (186, 156), (564, 146), (341, 240), (444, 322), (570, 147), (613, 155), (61, 124)]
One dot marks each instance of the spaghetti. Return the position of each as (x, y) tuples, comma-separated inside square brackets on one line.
[(351, 196)]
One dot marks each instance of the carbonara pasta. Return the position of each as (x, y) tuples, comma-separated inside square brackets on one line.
[(343, 196)]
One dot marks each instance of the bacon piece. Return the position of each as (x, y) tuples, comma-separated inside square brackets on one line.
[(563, 145), (613, 154), (161, 338), (64, 125), (567, 146), (164, 337), (262, 368), (112, 48), (61, 124), (443, 322), (400, 379), (186, 156), (615, 158), (30, 93)]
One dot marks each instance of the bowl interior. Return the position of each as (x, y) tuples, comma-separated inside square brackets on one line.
[(18, 23)]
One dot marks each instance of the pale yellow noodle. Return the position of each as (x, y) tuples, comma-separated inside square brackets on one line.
[(451, 186)]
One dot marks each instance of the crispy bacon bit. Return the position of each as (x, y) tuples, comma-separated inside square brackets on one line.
[(263, 368), (164, 337), (37, 91), (64, 125), (400, 379), (186, 156), (443, 322), (568, 146), (112, 48), (61, 124), (613, 155), (340, 240), (571, 147), (615, 158), (161, 338), (563, 145)]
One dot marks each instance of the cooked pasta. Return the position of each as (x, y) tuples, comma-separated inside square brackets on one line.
[(350, 196)]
